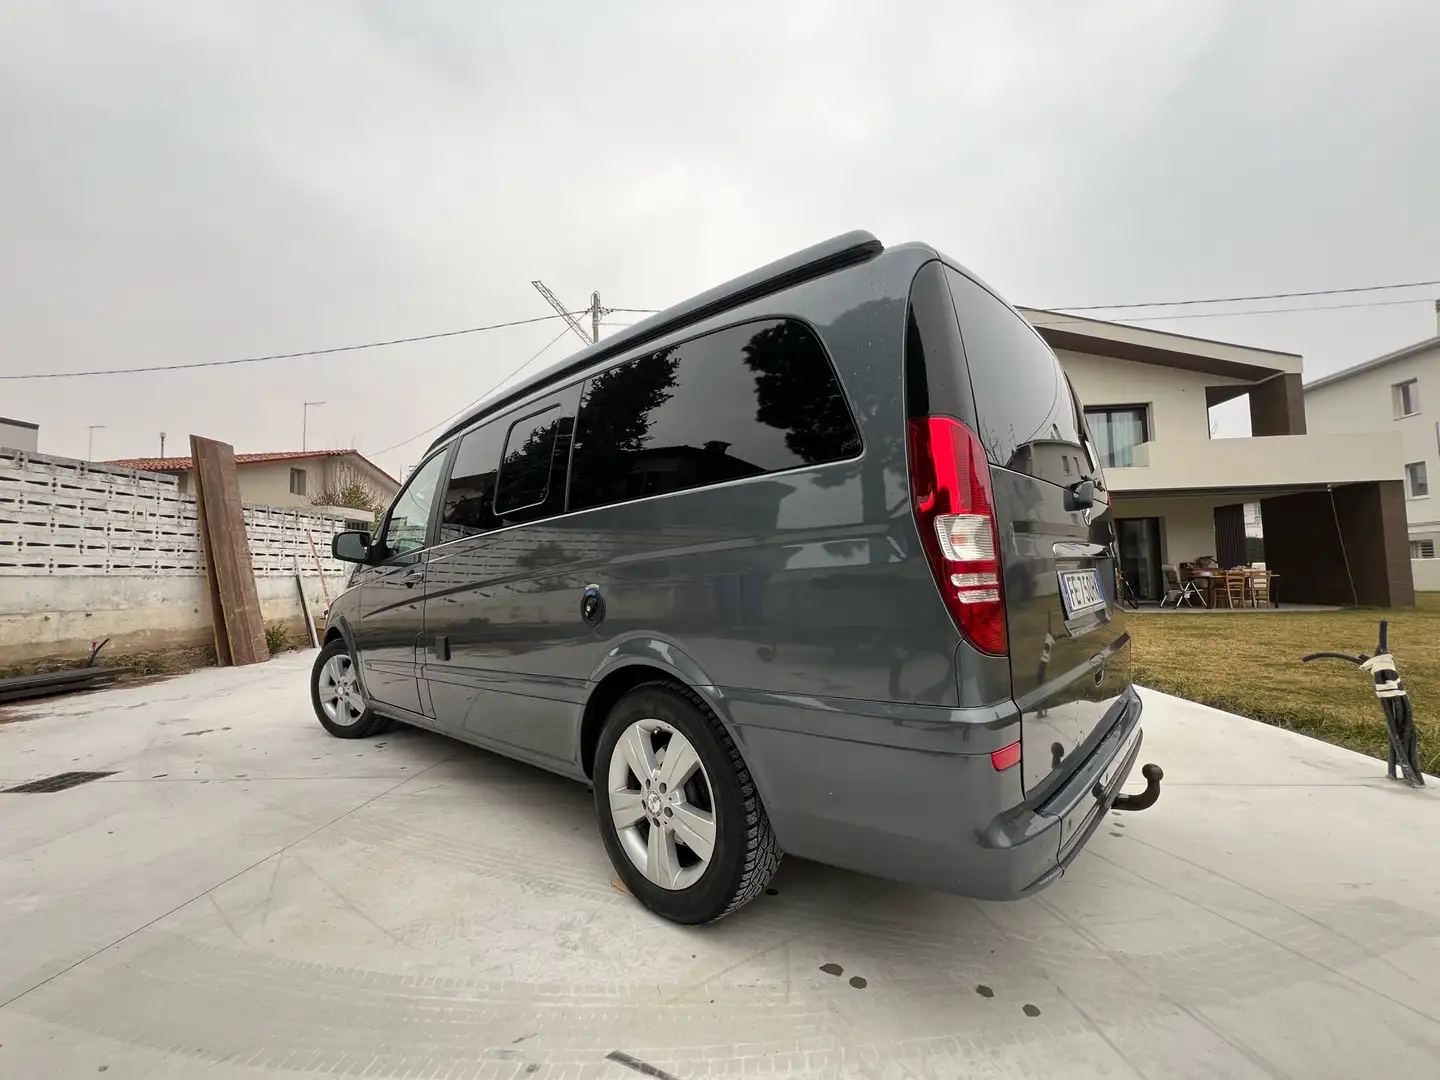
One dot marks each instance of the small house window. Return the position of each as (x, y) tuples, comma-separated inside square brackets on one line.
[(1406, 397), (297, 481), (1117, 431), (1422, 549), (1416, 480)]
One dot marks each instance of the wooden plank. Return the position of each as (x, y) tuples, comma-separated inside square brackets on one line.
[(324, 588), (305, 607), (229, 545), (223, 655)]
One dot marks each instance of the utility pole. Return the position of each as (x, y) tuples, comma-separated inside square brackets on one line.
[(162, 446), (90, 444), (305, 421), (594, 309)]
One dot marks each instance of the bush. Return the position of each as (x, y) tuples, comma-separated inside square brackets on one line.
[(277, 638)]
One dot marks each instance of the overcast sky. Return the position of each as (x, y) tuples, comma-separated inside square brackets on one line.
[(192, 180)]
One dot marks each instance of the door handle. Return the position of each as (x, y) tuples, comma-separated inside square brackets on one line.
[(411, 578)]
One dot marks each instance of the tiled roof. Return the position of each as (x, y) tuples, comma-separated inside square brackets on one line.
[(182, 464)]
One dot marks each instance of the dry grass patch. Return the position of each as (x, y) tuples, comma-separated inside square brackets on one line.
[(1250, 664)]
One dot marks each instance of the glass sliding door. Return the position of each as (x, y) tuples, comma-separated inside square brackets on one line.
[(1117, 430), (1139, 543)]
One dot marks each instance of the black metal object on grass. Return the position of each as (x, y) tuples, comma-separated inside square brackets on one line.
[(1404, 743)]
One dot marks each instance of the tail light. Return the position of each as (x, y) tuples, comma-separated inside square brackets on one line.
[(955, 513), (1005, 757)]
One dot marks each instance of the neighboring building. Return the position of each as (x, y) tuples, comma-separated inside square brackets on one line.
[(19, 435), (291, 478), (1331, 506), (1254, 525), (1397, 392)]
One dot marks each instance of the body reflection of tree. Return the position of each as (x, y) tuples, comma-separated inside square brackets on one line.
[(615, 422)]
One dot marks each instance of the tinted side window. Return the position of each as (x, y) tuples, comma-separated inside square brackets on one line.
[(469, 505), (529, 457), (740, 402), (1025, 411)]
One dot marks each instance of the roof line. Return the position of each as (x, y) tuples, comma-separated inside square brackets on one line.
[(1370, 365), (1068, 319), (848, 249)]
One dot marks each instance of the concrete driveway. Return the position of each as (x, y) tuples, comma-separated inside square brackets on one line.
[(246, 895)]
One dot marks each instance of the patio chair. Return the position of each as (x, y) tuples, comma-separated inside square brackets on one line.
[(1234, 581), (1179, 591), (1259, 587)]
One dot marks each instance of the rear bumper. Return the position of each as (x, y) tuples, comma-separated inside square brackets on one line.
[(920, 814)]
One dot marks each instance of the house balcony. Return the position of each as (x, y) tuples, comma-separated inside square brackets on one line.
[(1262, 464)]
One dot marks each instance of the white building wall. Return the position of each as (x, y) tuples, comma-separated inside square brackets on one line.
[(1427, 574), (1187, 525), (1364, 402), (267, 483), (1176, 398), (18, 435)]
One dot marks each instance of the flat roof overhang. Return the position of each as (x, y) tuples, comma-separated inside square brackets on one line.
[(1143, 346)]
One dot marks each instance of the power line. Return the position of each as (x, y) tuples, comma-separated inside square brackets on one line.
[(637, 310), (1236, 299), (1237, 314), (284, 356), (482, 397)]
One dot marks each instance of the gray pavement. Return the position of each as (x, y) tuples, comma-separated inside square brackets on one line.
[(246, 896)]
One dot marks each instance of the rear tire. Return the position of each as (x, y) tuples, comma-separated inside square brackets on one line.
[(335, 693), (695, 844)]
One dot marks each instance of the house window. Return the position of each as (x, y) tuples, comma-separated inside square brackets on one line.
[(1422, 549), (1116, 431), (1406, 397), (1416, 481), (297, 481)]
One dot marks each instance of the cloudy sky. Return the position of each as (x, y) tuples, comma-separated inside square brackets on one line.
[(191, 180)]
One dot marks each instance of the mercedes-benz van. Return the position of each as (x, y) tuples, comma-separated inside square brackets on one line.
[(820, 561)]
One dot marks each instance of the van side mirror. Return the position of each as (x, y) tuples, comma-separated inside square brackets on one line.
[(351, 546), (1081, 496)]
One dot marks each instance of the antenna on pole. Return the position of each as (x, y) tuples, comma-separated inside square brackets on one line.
[(575, 324)]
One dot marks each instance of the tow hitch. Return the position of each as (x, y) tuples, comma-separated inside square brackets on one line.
[(1153, 774)]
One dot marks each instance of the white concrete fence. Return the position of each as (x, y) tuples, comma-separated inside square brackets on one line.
[(1427, 574), (90, 551)]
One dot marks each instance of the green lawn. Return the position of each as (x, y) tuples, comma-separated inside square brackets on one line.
[(1250, 664)]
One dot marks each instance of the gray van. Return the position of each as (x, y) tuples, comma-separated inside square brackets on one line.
[(819, 561)]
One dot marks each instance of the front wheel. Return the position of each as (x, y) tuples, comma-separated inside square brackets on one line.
[(335, 693), (678, 809)]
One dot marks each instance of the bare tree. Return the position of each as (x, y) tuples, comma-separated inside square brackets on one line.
[(351, 488)]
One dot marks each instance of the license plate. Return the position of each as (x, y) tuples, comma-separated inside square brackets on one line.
[(1080, 592)]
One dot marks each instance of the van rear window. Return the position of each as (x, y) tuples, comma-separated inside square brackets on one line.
[(739, 402), (1026, 414)]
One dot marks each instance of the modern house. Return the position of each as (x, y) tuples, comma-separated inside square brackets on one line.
[(1398, 392), (290, 478), (1331, 506), (19, 435)]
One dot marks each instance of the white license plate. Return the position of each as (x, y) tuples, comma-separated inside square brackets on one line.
[(1080, 592)]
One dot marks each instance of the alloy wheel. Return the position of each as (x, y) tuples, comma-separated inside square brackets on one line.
[(662, 804)]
